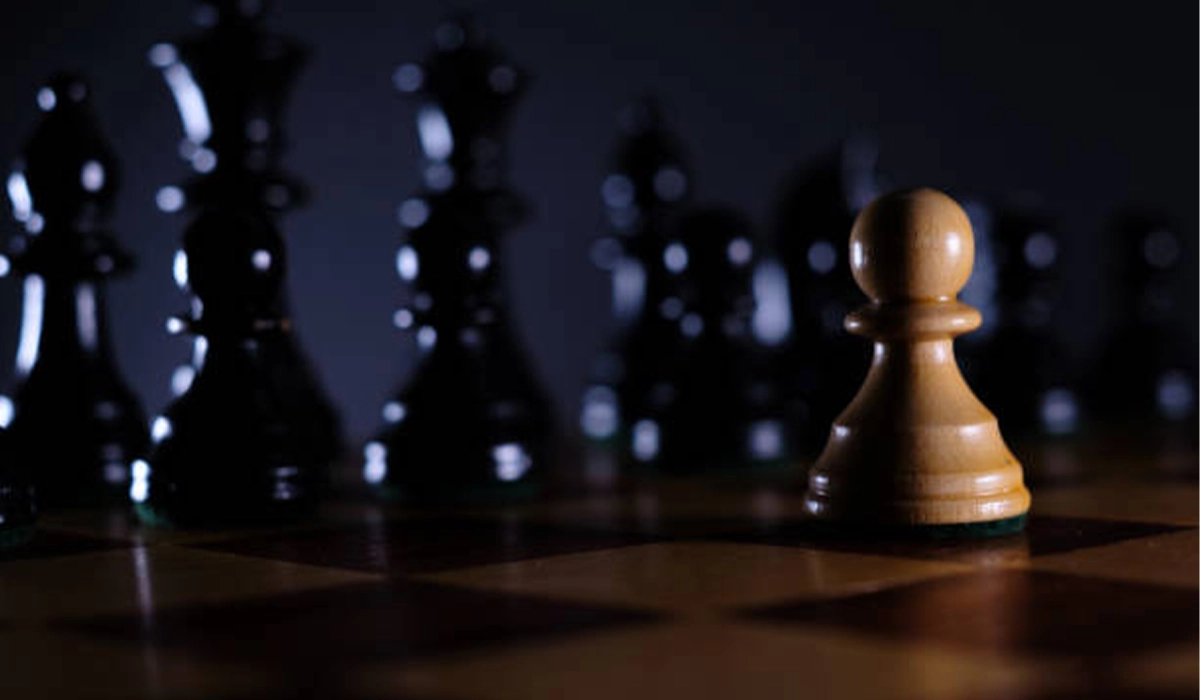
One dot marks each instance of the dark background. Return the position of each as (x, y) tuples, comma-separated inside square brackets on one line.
[(1091, 107)]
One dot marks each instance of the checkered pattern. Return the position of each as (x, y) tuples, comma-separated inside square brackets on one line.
[(674, 589)]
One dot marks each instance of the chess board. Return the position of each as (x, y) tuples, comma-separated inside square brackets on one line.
[(701, 588)]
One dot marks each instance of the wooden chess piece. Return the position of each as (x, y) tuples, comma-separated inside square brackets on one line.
[(1042, 414), (915, 450), (75, 424), (18, 513), (250, 435), (1145, 388), (711, 407), (822, 366), (472, 423), (644, 192)]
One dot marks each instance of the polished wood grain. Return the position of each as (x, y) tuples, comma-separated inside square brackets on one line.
[(694, 578), (915, 447), (716, 660), (699, 588)]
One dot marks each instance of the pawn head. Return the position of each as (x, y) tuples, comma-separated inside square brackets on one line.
[(912, 245)]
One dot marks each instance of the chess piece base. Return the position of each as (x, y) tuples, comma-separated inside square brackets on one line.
[(209, 516), (186, 483), (471, 426), (948, 531), (421, 465), (15, 536), (17, 511)]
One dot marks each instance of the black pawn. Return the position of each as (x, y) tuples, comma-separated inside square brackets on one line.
[(75, 424), (1147, 379), (646, 188), (472, 422), (1016, 363), (817, 207), (250, 435), (712, 408)]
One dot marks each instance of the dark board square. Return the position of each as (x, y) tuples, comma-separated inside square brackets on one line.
[(1042, 536), (55, 543), (1101, 685), (421, 545), (1013, 610), (375, 621)]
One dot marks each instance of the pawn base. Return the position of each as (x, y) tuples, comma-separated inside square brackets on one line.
[(944, 531)]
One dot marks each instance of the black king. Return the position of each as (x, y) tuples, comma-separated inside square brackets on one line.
[(250, 434), (472, 422)]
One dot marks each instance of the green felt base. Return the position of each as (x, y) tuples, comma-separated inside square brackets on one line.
[(147, 515), (15, 536), (961, 531), (952, 531)]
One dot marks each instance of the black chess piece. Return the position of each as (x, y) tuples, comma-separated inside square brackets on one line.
[(250, 434), (472, 422), (713, 407), (647, 186), (817, 207), (18, 512), (1018, 365), (75, 425), (1146, 384)]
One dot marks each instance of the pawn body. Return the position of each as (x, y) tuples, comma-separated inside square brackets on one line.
[(916, 448)]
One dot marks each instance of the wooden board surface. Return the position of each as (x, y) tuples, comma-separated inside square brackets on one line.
[(685, 588)]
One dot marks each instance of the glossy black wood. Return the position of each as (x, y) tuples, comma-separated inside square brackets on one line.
[(473, 421), (75, 423), (710, 405), (250, 433), (646, 187), (1017, 364), (1147, 376), (817, 206), (18, 510)]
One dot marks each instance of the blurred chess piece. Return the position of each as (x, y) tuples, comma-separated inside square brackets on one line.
[(816, 209), (18, 513), (1146, 386), (644, 191), (250, 434), (472, 422), (73, 424), (1018, 365), (712, 406)]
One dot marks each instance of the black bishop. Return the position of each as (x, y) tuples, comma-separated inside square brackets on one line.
[(75, 424)]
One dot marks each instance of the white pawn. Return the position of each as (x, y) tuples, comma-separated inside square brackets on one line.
[(916, 448)]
